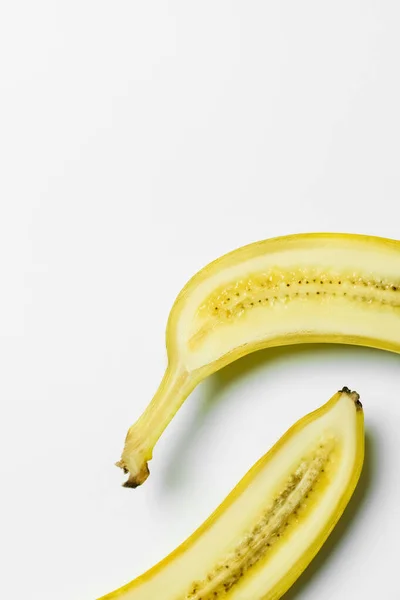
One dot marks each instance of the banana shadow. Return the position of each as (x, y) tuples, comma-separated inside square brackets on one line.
[(211, 393), (282, 356)]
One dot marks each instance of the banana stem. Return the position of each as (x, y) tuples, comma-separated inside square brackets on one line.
[(174, 388)]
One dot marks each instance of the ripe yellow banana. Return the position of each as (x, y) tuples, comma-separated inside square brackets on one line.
[(266, 532), (301, 288)]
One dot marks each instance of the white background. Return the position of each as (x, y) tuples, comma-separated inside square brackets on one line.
[(139, 141)]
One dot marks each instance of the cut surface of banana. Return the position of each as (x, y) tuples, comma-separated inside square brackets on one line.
[(336, 288), (266, 532)]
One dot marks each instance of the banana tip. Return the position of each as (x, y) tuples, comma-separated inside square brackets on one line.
[(135, 479), (354, 396)]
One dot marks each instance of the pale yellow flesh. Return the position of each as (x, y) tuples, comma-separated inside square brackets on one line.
[(302, 288), (269, 528), (307, 287)]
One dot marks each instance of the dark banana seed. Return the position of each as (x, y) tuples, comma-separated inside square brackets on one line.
[(273, 524), (276, 281)]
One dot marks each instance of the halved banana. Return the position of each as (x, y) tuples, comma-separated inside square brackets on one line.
[(301, 288), (266, 532)]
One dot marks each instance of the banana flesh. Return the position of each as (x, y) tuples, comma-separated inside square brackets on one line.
[(335, 288), (272, 524)]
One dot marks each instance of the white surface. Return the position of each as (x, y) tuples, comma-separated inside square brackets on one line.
[(138, 142)]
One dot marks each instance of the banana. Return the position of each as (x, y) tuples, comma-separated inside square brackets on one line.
[(269, 528), (322, 287)]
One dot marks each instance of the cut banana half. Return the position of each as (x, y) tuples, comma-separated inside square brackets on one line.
[(302, 288), (266, 532)]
